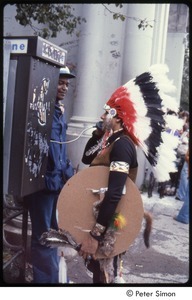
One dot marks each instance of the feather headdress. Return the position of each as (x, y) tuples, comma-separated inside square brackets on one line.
[(142, 104)]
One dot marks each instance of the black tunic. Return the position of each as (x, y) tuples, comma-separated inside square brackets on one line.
[(122, 149)]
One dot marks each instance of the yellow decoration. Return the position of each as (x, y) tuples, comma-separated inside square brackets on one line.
[(119, 221)]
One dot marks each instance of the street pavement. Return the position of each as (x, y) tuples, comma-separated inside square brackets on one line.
[(167, 259)]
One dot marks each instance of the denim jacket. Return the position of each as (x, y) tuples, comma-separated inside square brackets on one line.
[(59, 168)]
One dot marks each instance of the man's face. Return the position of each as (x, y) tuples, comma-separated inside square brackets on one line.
[(108, 121), (62, 87)]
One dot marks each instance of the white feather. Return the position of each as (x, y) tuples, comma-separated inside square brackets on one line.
[(164, 84), (166, 161), (136, 98), (161, 174), (159, 68), (159, 72), (169, 103), (142, 128), (173, 122), (169, 140)]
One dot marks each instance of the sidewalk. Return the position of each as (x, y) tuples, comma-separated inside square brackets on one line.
[(167, 259), (165, 262)]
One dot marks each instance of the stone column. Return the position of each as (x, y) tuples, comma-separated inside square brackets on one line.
[(175, 48), (138, 42), (160, 33), (137, 55), (99, 65), (87, 93)]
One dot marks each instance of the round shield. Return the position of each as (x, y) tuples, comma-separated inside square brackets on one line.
[(75, 207)]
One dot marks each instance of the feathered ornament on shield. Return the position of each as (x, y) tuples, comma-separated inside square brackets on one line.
[(142, 104)]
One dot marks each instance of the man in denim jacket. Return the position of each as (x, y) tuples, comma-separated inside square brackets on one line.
[(42, 205)]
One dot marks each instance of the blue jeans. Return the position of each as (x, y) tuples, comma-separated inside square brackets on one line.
[(183, 215), (183, 181), (42, 210)]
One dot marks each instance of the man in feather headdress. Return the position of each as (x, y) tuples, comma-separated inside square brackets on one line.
[(134, 116)]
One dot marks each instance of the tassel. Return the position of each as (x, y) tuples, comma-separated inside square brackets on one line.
[(119, 278), (62, 269)]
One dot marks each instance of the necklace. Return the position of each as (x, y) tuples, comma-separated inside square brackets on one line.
[(120, 129), (105, 142)]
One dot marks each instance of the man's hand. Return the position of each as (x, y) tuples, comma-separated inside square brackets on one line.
[(88, 247)]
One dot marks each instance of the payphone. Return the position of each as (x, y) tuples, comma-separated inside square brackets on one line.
[(31, 90)]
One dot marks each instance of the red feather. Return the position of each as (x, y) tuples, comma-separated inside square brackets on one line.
[(121, 101)]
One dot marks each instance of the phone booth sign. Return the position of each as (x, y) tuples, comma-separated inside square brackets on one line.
[(31, 92)]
